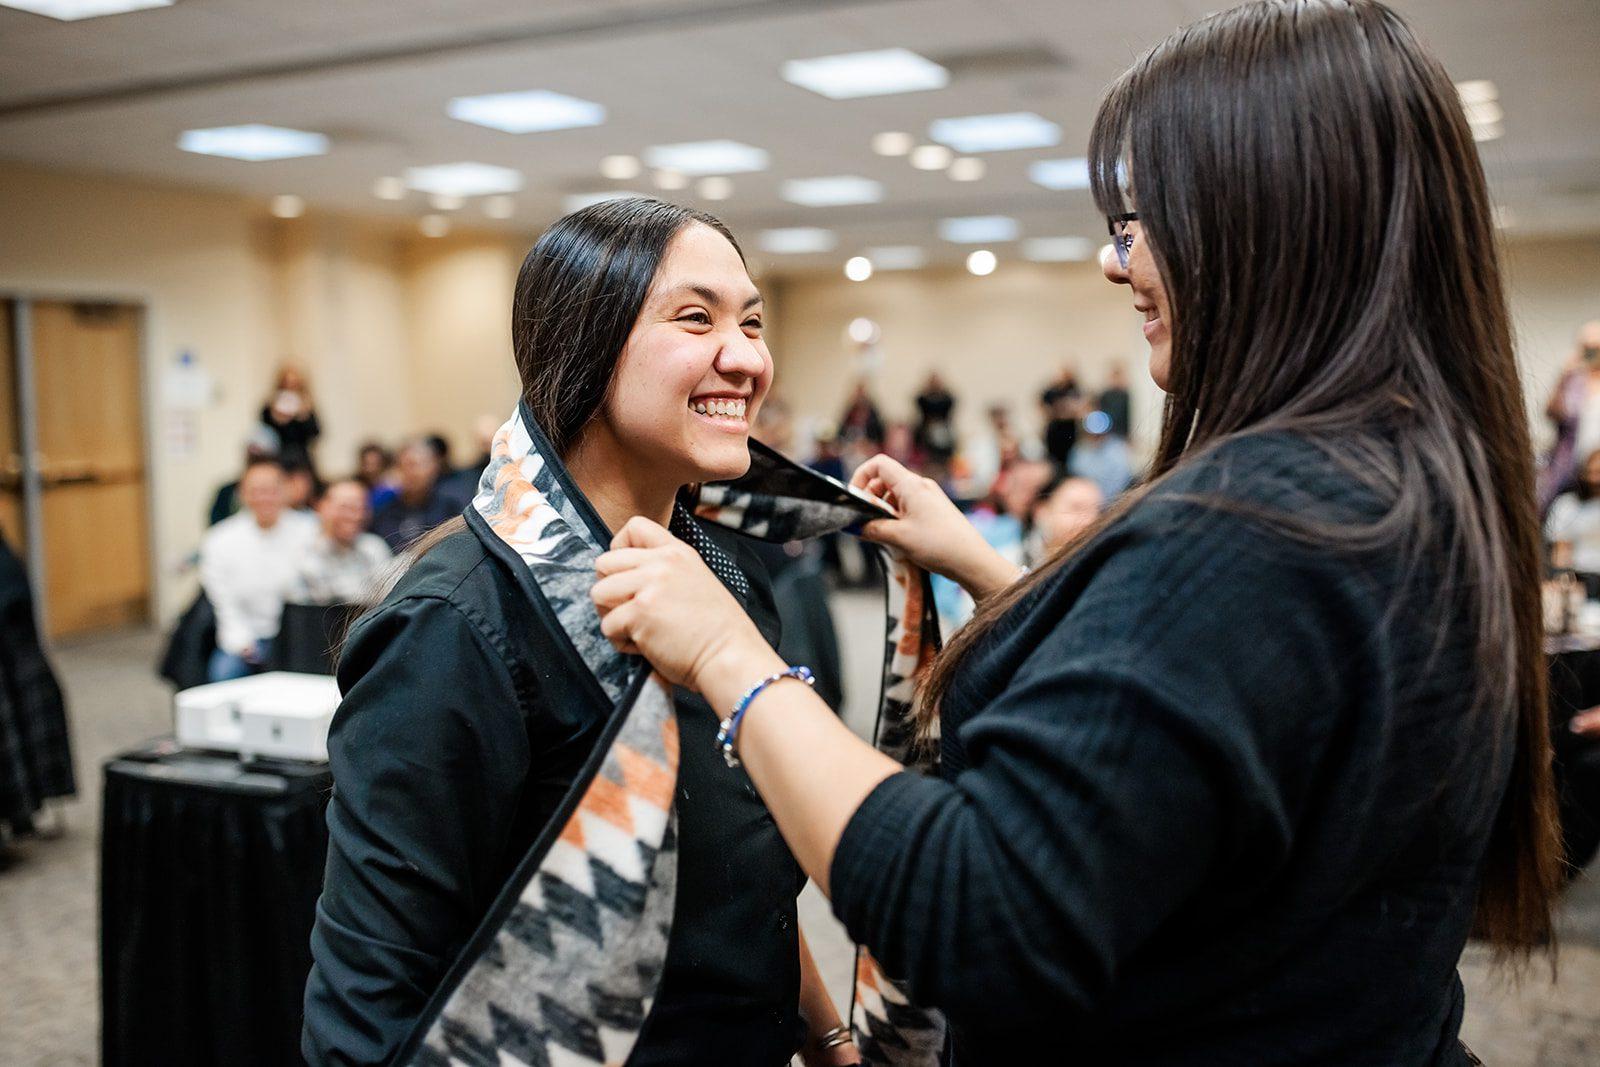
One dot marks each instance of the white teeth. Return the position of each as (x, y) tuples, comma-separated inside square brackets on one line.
[(732, 408)]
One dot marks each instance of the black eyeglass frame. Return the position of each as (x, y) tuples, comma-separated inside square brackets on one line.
[(1121, 240)]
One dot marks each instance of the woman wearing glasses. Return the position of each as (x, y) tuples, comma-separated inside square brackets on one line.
[(1231, 777)]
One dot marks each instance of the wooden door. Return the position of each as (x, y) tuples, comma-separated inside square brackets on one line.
[(12, 525), (90, 423)]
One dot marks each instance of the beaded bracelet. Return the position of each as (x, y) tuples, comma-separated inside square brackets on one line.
[(729, 731)]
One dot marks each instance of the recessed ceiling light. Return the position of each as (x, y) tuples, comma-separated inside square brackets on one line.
[(671, 180), (445, 202), (717, 188), (858, 268), (967, 169), (978, 229), (579, 201), (1488, 132), (288, 206), (835, 191), (390, 188), (981, 262), (893, 143), (499, 207), (877, 73), (794, 240), (1477, 91), (535, 111), (1058, 249), (1484, 113), (72, 10), (931, 157), (254, 142), (433, 225), (976, 134), (863, 331), (897, 257), (464, 179), (1060, 173), (621, 168), (707, 157)]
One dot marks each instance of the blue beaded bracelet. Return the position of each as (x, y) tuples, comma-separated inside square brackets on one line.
[(729, 732)]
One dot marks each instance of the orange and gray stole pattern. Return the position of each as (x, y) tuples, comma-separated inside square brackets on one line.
[(565, 968), (780, 501)]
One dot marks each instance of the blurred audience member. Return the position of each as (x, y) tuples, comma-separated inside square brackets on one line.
[(247, 562), (1059, 404), (1101, 456), (1573, 525), (775, 425), (1574, 408), (290, 414), (861, 426), (901, 443), (261, 444), (1067, 507), (419, 506), (990, 452), (374, 469), (935, 432), (343, 563), (463, 482), (302, 487), (1115, 403)]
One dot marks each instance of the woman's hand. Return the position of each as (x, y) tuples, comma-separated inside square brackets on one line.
[(930, 529), (658, 599)]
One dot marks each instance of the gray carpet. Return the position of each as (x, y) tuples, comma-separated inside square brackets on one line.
[(49, 999)]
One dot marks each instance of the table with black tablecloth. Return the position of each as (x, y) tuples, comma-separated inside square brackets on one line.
[(209, 877)]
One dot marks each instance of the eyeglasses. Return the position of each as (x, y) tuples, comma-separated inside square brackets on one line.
[(1121, 239)]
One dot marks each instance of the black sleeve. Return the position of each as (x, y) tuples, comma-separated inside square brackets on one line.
[(429, 755), (1148, 743)]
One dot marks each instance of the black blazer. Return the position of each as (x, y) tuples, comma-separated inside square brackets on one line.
[(464, 721)]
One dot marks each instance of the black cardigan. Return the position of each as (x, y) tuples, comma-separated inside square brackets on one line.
[(1200, 804), (463, 724)]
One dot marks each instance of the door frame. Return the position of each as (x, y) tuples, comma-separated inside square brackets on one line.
[(22, 301)]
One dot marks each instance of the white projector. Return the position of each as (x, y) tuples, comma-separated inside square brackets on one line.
[(279, 714)]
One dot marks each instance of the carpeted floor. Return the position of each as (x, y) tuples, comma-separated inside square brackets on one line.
[(49, 1000)]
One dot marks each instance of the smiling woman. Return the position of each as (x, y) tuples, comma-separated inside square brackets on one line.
[(479, 691)]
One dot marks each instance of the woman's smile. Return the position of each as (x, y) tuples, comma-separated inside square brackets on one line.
[(725, 411)]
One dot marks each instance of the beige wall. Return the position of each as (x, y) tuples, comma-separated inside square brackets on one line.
[(402, 334)]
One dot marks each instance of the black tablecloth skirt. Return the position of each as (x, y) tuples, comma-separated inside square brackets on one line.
[(210, 873)]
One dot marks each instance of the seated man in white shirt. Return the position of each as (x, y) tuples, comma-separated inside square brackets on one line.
[(345, 561), (247, 563)]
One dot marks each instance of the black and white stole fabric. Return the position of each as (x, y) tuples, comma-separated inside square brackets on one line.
[(564, 968)]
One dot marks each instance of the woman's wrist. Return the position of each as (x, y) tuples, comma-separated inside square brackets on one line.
[(735, 667), (987, 573)]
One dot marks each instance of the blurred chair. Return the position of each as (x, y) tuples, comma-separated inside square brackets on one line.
[(309, 637)]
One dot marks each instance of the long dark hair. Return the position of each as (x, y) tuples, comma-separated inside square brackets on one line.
[(1309, 189), (578, 294)]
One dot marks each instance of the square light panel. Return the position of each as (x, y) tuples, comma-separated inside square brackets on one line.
[(464, 179), (976, 134), (897, 257), (1060, 173), (836, 191), (534, 111), (1058, 249), (73, 10), (696, 158), (979, 229), (253, 143), (877, 73), (797, 240)]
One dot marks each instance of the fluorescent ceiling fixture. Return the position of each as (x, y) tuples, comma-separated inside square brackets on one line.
[(499, 207), (978, 229), (621, 168), (981, 262), (670, 179), (853, 74), (445, 202), (1477, 92), (696, 158), (967, 169), (288, 206), (715, 188), (898, 257), (433, 225), (464, 179), (72, 10), (797, 240), (1058, 249), (1488, 132), (531, 112), (1484, 113), (892, 143), (835, 191), (253, 143), (858, 268), (976, 134), (930, 157), (579, 201), (390, 188), (1060, 173)]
